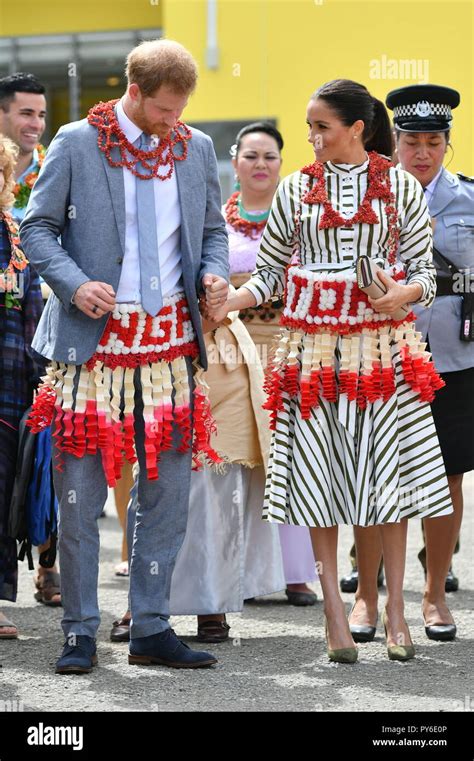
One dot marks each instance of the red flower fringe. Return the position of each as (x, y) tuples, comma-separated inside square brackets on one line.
[(305, 388), (204, 427), (329, 388), (190, 349), (129, 438), (290, 380), (388, 383), (167, 428), (42, 410), (348, 383), (310, 392), (92, 428), (182, 417), (151, 453), (273, 387), (90, 432), (419, 373)]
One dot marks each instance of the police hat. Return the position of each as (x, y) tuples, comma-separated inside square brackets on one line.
[(423, 108)]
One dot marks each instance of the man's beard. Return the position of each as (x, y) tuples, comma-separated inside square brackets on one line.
[(150, 129)]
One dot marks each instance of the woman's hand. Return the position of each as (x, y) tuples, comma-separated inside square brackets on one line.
[(235, 302), (220, 313), (397, 295), (215, 314), (208, 326)]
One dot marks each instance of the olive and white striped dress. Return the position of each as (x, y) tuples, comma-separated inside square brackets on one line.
[(385, 464)]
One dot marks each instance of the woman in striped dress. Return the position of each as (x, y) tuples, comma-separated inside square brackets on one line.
[(349, 388)]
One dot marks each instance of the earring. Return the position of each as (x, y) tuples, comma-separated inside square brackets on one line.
[(236, 183), (355, 137)]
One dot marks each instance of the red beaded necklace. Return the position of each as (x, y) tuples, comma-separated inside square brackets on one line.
[(103, 117), (250, 228), (378, 186)]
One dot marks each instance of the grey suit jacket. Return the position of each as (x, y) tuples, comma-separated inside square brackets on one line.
[(80, 199), (452, 205)]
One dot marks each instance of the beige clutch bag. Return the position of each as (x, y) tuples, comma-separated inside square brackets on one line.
[(368, 281)]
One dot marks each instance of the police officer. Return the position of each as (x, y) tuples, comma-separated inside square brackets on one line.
[(422, 118)]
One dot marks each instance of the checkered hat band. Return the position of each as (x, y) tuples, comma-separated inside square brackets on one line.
[(436, 109)]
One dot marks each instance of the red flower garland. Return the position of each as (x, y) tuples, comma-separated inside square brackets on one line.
[(378, 186), (22, 190), (249, 229), (18, 260), (103, 117)]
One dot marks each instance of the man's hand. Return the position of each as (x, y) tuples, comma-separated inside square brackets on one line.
[(95, 298), (216, 289), (397, 295)]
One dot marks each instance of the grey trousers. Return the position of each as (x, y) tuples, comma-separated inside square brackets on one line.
[(160, 527)]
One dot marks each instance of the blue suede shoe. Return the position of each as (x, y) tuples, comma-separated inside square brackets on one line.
[(166, 649), (79, 658)]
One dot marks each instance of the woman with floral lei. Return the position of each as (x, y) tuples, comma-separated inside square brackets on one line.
[(349, 388), (233, 528), (20, 310)]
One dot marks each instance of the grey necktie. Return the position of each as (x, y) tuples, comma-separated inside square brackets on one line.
[(150, 281)]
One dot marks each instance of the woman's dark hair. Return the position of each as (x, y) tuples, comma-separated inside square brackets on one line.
[(352, 101), (266, 127)]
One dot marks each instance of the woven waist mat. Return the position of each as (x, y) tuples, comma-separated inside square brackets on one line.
[(317, 299), (92, 405)]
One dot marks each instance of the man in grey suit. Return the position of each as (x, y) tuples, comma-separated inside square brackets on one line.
[(93, 236)]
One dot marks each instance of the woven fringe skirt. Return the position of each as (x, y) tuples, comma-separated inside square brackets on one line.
[(92, 405), (353, 435)]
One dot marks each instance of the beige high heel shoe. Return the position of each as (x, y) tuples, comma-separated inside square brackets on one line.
[(342, 654), (397, 652)]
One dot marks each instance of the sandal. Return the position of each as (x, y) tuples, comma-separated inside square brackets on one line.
[(122, 569), (48, 586), (6, 624), (213, 631)]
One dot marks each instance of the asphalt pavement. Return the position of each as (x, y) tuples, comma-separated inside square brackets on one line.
[(274, 660)]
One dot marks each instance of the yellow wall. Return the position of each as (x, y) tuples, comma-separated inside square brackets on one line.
[(274, 53), (58, 103), (23, 17)]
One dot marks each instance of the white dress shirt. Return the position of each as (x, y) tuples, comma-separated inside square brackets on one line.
[(168, 228), (430, 188)]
